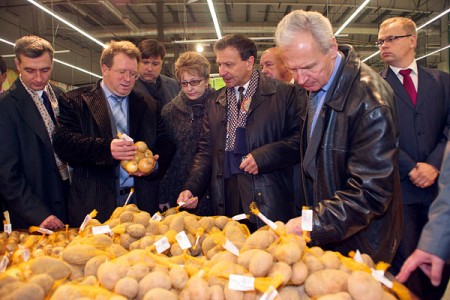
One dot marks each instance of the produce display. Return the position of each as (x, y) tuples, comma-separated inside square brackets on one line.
[(179, 255)]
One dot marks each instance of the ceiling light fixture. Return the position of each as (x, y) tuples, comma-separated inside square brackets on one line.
[(434, 19), (214, 17), (199, 48), (60, 61), (434, 52), (351, 17), (50, 12)]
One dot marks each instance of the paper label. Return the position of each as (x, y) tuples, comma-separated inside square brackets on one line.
[(358, 257), (241, 283), (270, 294), (240, 217), (4, 263), (125, 137), (231, 247), (25, 254), (45, 230), (307, 216), (101, 229), (157, 217), (379, 276), (183, 240), (7, 228), (267, 221), (85, 221), (162, 245)]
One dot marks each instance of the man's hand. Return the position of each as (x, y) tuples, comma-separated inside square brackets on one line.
[(52, 223), (423, 175), (188, 199), (123, 150), (430, 264), (249, 165), (164, 206), (295, 226)]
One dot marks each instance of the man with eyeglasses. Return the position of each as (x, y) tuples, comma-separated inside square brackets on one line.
[(422, 97), (91, 117)]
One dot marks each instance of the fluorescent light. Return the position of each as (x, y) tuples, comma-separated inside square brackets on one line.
[(214, 17), (369, 57), (351, 17), (200, 48), (434, 52), (434, 19), (60, 61), (67, 22)]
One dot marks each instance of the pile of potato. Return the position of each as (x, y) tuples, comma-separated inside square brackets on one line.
[(127, 265)]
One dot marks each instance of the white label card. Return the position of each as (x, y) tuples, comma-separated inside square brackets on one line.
[(267, 221), (157, 217), (25, 254), (7, 228), (44, 230), (240, 217), (270, 294), (125, 137), (307, 216), (4, 263), (183, 240), (101, 229), (230, 247), (241, 283), (358, 257), (379, 276), (85, 221), (162, 245)]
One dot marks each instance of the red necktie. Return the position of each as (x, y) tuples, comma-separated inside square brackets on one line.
[(409, 85)]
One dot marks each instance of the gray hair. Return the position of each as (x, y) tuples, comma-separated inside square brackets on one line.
[(302, 21)]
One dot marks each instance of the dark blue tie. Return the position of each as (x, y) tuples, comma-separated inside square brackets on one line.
[(48, 106)]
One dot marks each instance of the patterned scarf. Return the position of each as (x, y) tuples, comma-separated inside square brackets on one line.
[(62, 166), (238, 118)]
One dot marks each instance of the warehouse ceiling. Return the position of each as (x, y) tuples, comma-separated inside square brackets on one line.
[(180, 23)]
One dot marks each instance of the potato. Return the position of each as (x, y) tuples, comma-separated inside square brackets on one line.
[(155, 279), (126, 216), (77, 272), (92, 265), (178, 277), (116, 250), (330, 260), (337, 296), (191, 224), (110, 272), (152, 228), (288, 253), (177, 223), (78, 254), (313, 263), (54, 267), (126, 240), (361, 285), (216, 292), (299, 273), (260, 239), (245, 257), (283, 269), (136, 230), (221, 221), (45, 281), (260, 264), (101, 241), (138, 271), (197, 288), (288, 293), (207, 223), (160, 294), (232, 294), (29, 291), (325, 282), (142, 218), (127, 287)]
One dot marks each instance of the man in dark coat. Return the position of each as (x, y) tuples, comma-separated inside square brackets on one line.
[(87, 138), (34, 182), (349, 142), (250, 139), (424, 120)]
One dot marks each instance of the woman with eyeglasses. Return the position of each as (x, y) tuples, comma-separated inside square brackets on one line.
[(183, 118)]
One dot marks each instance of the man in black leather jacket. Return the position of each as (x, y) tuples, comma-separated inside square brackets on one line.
[(247, 147), (349, 151)]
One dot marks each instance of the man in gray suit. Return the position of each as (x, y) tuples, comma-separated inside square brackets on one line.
[(33, 180), (423, 98)]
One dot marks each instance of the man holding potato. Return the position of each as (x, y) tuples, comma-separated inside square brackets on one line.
[(349, 152), (91, 118)]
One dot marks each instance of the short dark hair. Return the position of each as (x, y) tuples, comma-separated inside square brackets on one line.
[(3, 68), (114, 48), (152, 49), (245, 46), (32, 46)]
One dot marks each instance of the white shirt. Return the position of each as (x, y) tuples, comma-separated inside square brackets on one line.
[(414, 74)]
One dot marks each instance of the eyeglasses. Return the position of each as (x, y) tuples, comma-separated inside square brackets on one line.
[(123, 73), (390, 39), (192, 82)]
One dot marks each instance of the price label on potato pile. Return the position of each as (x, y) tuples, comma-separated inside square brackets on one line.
[(157, 217), (162, 245), (307, 216), (270, 294), (101, 229), (240, 217), (7, 228), (241, 283), (183, 240), (230, 247), (4, 263), (379, 275)]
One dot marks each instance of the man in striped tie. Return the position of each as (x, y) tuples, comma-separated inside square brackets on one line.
[(91, 118)]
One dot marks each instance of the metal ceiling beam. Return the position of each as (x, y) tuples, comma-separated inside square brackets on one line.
[(116, 12)]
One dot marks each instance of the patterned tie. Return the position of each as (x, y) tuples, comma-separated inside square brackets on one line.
[(241, 98), (48, 106), (409, 85), (119, 114), (312, 107)]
